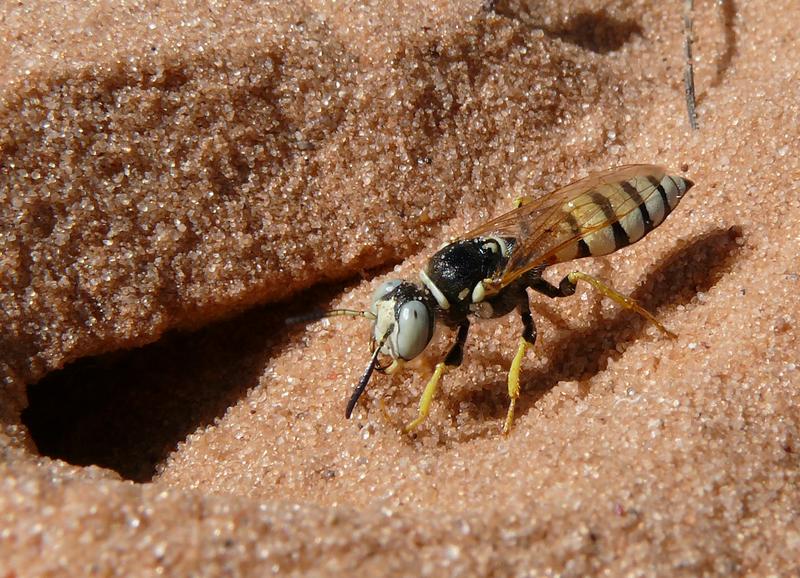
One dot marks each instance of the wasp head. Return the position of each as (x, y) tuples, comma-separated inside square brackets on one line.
[(404, 320)]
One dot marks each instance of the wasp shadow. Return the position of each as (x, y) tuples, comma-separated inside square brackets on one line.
[(594, 30), (597, 31), (728, 17), (688, 270), (128, 410), (728, 9)]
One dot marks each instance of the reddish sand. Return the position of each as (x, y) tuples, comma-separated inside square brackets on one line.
[(215, 170)]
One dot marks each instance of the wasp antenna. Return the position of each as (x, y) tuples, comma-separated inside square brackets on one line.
[(362, 383), (304, 318), (351, 313), (317, 315)]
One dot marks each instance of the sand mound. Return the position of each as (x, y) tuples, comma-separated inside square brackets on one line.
[(190, 176)]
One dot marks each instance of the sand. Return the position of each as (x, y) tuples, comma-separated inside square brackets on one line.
[(178, 179)]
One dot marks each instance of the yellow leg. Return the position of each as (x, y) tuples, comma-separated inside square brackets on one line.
[(519, 201), (427, 396), (395, 367), (623, 300), (513, 382)]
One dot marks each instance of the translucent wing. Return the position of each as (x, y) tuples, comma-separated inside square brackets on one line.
[(577, 220)]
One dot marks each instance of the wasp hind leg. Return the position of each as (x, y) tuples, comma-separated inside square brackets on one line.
[(453, 359), (527, 341), (570, 282)]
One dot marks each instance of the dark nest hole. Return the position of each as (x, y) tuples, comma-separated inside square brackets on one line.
[(128, 410)]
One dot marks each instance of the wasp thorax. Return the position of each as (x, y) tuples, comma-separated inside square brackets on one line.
[(454, 274), (403, 319)]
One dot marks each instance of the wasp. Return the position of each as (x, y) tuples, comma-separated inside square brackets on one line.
[(486, 273)]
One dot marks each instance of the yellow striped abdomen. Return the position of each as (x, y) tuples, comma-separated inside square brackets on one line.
[(612, 215)]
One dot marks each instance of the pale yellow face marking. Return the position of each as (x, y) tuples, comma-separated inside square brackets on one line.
[(384, 311)]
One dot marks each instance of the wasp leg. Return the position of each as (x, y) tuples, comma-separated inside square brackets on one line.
[(395, 367), (526, 341), (567, 288), (520, 201), (453, 359)]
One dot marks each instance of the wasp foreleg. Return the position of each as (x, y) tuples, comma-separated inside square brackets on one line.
[(527, 340), (453, 359)]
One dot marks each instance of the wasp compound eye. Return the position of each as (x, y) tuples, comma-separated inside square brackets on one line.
[(413, 329)]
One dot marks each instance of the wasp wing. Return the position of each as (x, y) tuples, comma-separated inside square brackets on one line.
[(550, 229)]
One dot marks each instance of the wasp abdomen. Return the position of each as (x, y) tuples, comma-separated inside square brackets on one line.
[(613, 215)]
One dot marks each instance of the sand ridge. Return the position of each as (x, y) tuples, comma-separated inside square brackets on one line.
[(167, 168)]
